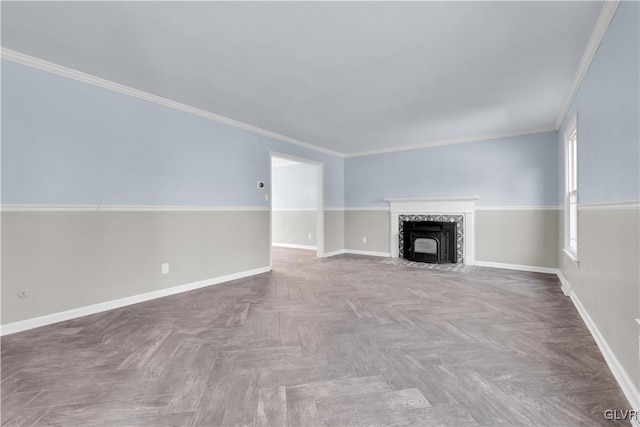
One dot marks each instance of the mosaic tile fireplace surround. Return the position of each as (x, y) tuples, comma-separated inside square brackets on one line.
[(458, 219), (460, 210)]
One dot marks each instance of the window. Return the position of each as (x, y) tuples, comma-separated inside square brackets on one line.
[(571, 189)]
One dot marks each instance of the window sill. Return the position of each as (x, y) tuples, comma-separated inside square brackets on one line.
[(573, 257)]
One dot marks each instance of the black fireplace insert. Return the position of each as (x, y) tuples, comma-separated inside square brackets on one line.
[(430, 241)]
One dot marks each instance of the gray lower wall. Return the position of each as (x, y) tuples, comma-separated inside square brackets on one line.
[(524, 237), (372, 224), (607, 279), (333, 231), (293, 227), (506, 236), (68, 260)]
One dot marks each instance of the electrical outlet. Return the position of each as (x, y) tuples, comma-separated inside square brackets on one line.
[(165, 268), (309, 236), (23, 293), (364, 240)]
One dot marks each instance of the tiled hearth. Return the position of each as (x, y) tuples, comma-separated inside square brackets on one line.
[(458, 209), (457, 267)]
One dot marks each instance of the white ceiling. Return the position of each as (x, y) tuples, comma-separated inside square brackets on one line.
[(346, 76)]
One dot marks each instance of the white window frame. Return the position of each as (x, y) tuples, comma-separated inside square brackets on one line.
[(571, 189)]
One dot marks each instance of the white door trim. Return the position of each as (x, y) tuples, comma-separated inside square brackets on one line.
[(319, 202)]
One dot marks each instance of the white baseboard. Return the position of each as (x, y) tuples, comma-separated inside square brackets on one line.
[(531, 268), (293, 246), (370, 253), (356, 252), (626, 384), (566, 286), (334, 253), (36, 322)]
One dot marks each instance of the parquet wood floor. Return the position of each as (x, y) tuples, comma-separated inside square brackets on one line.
[(343, 341)]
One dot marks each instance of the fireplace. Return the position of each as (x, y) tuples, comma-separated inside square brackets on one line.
[(430, 241)]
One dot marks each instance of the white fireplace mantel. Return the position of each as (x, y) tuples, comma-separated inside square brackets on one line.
[(465, 206)]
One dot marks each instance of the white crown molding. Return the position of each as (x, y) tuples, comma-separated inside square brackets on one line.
[(602, 24), (451, 141), (620, 204), (606, 15), (126, 208), (79, 76), (36, 322)]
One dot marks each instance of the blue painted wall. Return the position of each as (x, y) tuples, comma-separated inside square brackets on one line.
[(294, 186), (66, 142), (608, 106), (513, 171)]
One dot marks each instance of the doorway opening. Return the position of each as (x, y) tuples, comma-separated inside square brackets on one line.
[(297, 203)]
